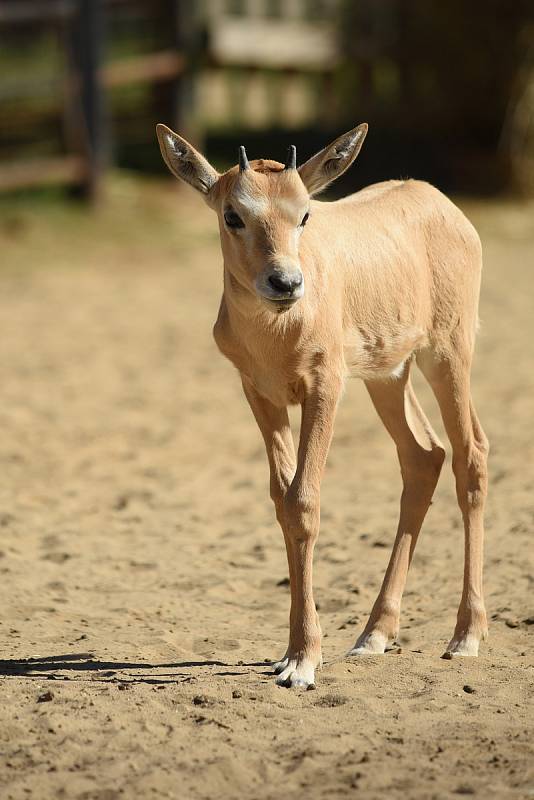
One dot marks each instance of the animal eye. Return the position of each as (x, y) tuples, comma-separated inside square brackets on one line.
[(233, 220), (305, 218)]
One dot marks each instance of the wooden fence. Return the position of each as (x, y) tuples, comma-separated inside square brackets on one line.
[(210, 68), (212, 63)]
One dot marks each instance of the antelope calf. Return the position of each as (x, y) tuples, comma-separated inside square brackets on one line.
[(366, 285)]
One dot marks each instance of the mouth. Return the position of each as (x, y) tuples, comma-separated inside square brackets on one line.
[(280, 304)]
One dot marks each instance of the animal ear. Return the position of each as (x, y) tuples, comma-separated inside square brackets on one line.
[(328, 164), (184, 161)]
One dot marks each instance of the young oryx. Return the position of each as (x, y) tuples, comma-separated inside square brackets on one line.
[(365, 285)]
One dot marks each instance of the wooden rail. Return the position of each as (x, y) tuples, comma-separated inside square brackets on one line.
[(272, 44), (153, 67), (22, 11), (42, 172)]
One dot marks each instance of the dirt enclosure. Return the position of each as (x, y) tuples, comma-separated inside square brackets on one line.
[(143, 578)]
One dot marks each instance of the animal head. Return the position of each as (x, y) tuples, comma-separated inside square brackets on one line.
[(263, 207)]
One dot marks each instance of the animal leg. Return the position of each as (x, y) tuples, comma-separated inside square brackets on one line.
[(274, 425), (421, 456), (300, 521), (449, 378)]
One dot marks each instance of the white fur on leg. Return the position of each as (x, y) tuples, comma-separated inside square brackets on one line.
[(372, 643), (466, 645), (298, 674)]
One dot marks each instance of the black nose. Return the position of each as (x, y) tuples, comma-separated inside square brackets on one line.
[(285, 284)]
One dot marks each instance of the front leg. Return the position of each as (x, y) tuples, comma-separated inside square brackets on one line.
[(274, 425), (300, 523), (296, 496)]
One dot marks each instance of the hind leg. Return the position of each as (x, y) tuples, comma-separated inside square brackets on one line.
[(449, 377), (421, 456)]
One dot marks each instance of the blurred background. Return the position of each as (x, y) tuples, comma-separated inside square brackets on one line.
[(448, 88)]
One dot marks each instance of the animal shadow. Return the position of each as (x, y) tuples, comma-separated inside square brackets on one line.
[(83, 666)]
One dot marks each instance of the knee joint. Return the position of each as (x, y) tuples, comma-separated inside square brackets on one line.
[(471, 472), (301, 517), (278, 491)]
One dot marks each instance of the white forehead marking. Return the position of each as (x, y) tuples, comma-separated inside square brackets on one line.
[(254, 203), (259, 205)]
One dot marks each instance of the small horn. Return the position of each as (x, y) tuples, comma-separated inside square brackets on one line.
[(291, 162), (243, 160)]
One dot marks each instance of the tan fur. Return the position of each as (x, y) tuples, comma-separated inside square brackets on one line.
[(391, 275)]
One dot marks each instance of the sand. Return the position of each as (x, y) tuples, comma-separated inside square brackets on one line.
[(143, 578)]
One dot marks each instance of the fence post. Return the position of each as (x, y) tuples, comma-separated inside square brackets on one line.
[(88, 124), (184, 26)]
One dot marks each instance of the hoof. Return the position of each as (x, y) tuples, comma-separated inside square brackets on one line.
[(370, 644), (279, 666), (297, 675)]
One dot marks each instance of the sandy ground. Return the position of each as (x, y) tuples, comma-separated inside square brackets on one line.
[(143, 578)]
